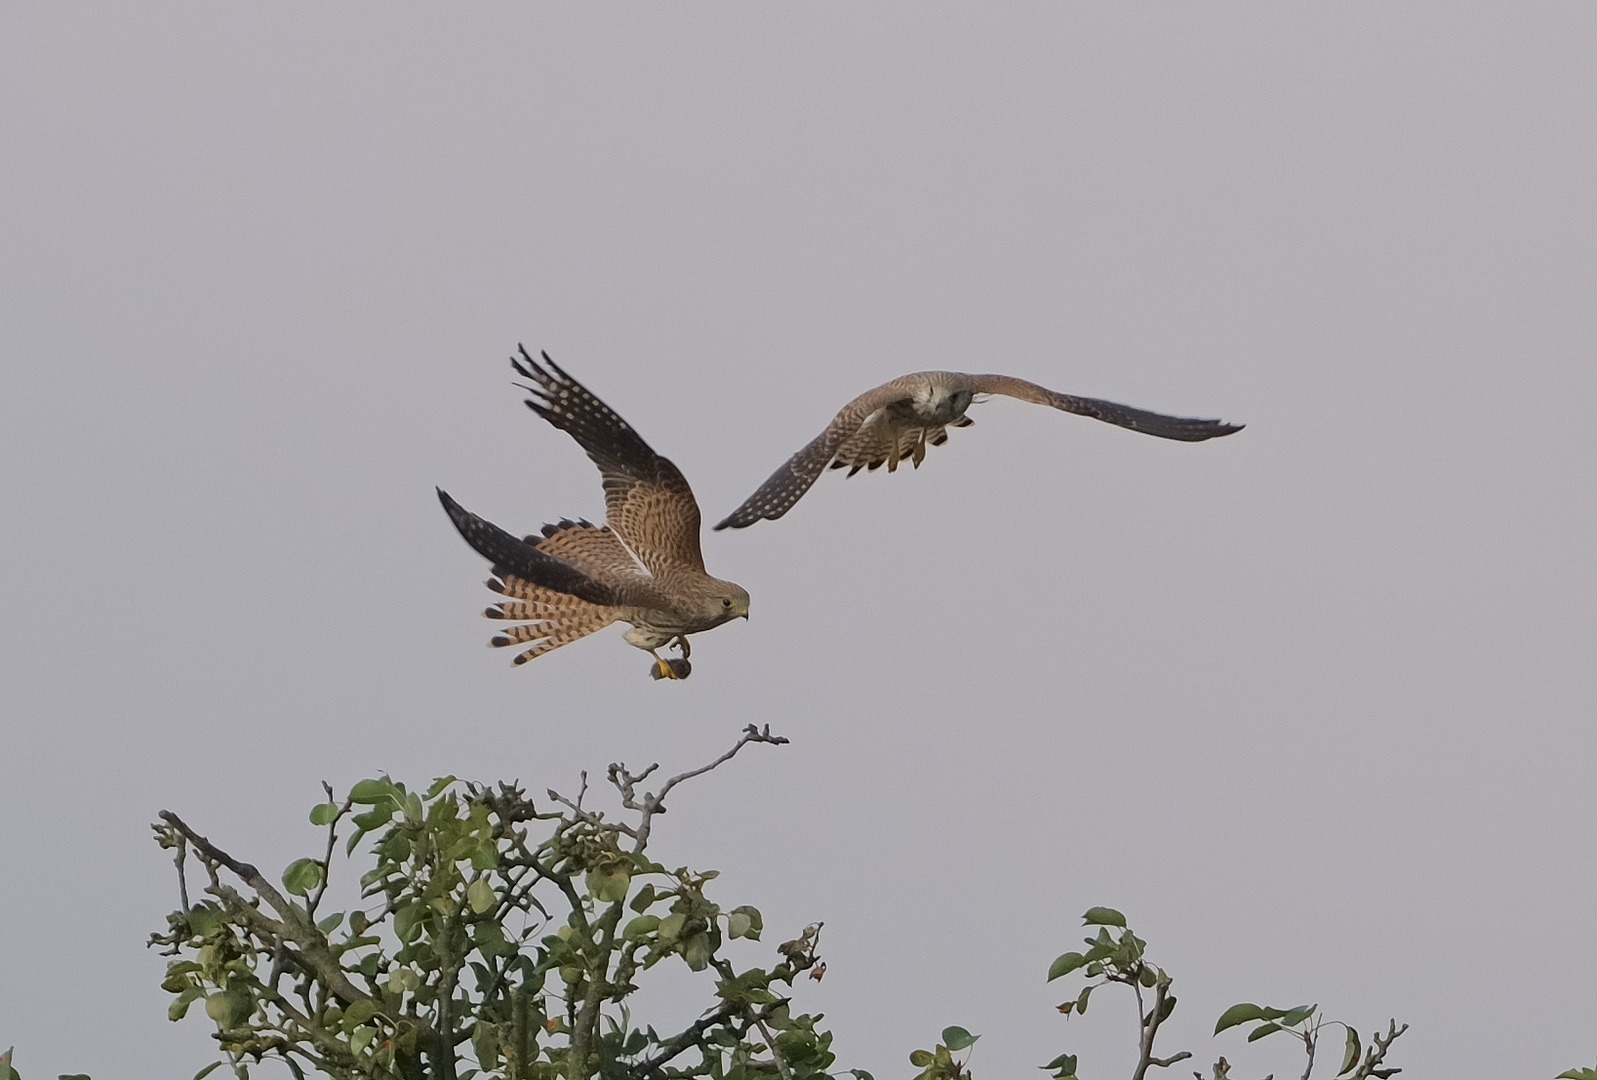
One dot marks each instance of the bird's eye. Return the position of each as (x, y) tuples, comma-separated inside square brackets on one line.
[(726, 603)]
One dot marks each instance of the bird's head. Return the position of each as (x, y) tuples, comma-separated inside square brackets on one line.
[(730, 601)]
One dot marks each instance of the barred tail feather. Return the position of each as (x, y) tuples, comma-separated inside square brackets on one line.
[(549, 634)]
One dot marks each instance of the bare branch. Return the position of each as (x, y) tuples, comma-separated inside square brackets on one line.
[(776, 1055), (652, 803), (182, 877), (688, 1039), (1376, 1054), (1150, 1028), (1311, 1041), (589, 816), (1222, 1071), (327, 856)]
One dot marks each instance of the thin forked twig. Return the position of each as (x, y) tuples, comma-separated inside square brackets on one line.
[(648, 804)]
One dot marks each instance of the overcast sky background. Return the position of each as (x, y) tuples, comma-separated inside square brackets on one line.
[(1312, 704)]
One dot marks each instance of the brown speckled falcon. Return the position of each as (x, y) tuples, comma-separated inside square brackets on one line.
[(643, 566), (898, 420)]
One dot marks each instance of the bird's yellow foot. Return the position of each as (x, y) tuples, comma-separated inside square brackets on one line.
[(670, 669)]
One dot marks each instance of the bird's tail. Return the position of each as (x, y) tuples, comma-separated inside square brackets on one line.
[(549, 619), (878, 443)]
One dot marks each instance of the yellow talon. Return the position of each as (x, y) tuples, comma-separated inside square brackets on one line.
[(670, 669)]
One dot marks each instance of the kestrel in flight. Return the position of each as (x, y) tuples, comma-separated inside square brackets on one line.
[(898, 420), (643, 566)]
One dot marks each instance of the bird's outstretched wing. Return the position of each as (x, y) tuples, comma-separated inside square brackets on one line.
[(647, 499), (842, 443), (788, 483), (1181, 428)]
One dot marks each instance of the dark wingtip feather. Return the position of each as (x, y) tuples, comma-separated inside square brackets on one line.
[(510, 555)]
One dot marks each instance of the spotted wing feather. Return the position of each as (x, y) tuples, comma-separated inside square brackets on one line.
[(787, 485), (648, 502)]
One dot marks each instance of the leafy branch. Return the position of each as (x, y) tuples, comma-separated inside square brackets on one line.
[(1121, 959), (480, 944)]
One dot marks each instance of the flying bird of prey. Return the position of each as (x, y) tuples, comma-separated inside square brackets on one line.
[(897, 421), (643, 566)]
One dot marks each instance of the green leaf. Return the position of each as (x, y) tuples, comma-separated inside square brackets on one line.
[(358, 1013), (490, 939), (228, 1008), (375, 818), (644, 898), (480, 895), (756, 921), (6, 1071), (697, 952), (302, 876), (1262, 1030), (608, 888), (360, 1039), (1064, 1067), (1081, 1001), (643, 924), (438, 787), (180, 1007), (1297, 1015), (1148, 977), (1103, 916), (921, 1058), (671, 926), (330, 923), (322, 814), (1350, 1056), (1578, 1074), (957, 1038), (371, 792), (407, 921), (1065, 964), (737, 924), (861, 1074), (201, 1075), (1238, 1014), (85, 1076), (414, 812)]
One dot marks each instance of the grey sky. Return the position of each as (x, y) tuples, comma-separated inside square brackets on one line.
[(1313, 704)]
